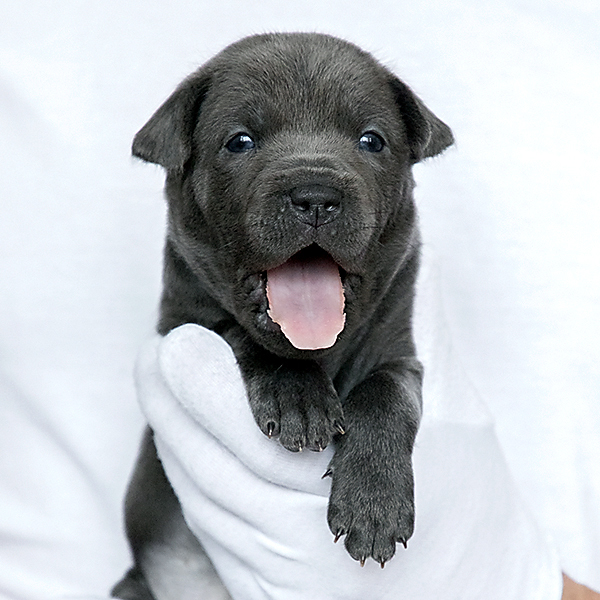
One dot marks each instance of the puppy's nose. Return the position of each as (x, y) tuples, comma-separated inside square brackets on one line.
[(316, 204)]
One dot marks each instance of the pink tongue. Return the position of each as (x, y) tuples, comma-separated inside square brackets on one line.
[(306, 299)]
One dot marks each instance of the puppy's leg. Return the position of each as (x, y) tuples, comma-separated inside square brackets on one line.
[(170, 563), (372, 494)]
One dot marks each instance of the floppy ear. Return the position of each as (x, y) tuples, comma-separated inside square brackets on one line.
[(427, 135), (166, 139)]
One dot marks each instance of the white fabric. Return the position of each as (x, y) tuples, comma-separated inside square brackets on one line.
[(261, 510), (512, 211)]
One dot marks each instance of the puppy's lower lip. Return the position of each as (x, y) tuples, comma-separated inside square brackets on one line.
[(306, 299)]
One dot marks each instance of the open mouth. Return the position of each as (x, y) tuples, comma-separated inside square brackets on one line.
[(306, 299)]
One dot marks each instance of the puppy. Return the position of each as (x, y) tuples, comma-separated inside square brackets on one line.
[(292, 233)]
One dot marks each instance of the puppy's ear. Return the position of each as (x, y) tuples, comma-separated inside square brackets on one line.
[(166, 139), (427, 135)]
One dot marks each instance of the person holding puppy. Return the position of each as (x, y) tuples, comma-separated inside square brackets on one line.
[(292, 234)]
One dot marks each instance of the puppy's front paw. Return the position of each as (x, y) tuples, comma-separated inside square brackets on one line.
[(298, 403), (372, 507)]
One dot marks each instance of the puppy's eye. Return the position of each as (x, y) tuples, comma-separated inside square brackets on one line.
[(240, 142), (371, 142)]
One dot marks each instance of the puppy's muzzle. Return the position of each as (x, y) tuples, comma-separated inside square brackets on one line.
[(315, 204)]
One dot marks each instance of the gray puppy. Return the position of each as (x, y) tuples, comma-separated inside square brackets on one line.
[(292, 233)]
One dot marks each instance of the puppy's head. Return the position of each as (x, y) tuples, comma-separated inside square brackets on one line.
[(288, 161)]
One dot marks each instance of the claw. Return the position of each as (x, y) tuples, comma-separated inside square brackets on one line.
[(270, 429), (327, 473), (382, 563), (362, 561), (300, 446), (339, 427), (338, 535), (403, 542)]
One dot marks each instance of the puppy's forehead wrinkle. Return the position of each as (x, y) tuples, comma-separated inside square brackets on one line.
[(313, 84), (285, 116)]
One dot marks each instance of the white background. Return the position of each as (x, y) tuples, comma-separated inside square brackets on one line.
[(512, 211)]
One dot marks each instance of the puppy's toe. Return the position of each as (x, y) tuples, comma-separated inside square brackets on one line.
[(319, 429), (384, 546), (268, 418), (293, 430), (338, 517), (359, 544)]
